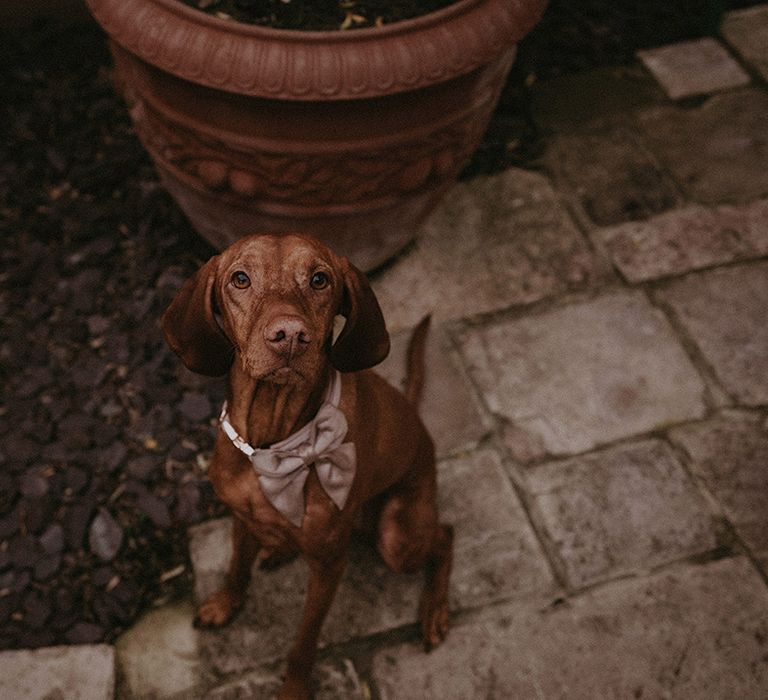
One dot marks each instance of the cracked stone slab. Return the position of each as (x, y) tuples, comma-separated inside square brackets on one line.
[(693, 67), (497, 557), (724, 311), (747, 32), (614, 178), (334, 679), (687, 239), (496, 554), (584, 374), (263, 629), (85, 672), (619, 511), (448, 407), (370, 599), (730, 454), (492, 243), (689, 632), (718, 151)]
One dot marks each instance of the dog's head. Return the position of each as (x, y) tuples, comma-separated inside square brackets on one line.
[(269, 302)]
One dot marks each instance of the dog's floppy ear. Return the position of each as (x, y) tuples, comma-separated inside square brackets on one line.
[(364, 341), (190, 326)]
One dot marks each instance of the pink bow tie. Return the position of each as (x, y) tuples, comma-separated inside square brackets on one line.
[(283, 467)]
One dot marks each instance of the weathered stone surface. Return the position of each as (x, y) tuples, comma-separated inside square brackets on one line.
[(690, 632), (492, 242), (611, 174), (693, 67), (717, 152), (77, 672), (747, 31), (158, 656), (497, 557), (210, 549), (619, 511), (264, 629), (585, 374), (725, 313), (334, 679), (687, 239), (730, 454), (448, 407), (496, 554), (370, 599)]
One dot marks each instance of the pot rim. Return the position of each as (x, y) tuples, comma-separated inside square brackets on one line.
[(316, 65)]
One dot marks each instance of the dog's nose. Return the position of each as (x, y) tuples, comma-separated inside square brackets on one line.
[(287, 336)]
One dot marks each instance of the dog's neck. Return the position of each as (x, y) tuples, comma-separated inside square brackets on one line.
[(263, 412)]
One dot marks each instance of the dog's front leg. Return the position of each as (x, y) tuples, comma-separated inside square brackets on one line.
[(324, 577)]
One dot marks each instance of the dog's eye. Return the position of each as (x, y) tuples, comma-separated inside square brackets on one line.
[(319, 280), (241, 280)]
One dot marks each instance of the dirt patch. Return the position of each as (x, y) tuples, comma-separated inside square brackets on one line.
[(309, 15)]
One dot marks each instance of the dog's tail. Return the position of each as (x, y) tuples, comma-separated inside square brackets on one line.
[(414, 381)]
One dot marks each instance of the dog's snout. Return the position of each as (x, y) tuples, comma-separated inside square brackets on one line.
[(287, 336)]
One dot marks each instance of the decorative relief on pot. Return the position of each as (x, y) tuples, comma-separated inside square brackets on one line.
[(272, 63), (342, 177)]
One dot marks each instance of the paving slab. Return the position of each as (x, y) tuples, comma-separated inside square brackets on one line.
[(623, 510), (724, 311), (585, 374), (747, 32), (449, 407), (690, 632), (496, 554), (693, 67), (730, 454), (159, 655), (334, 679), (84, 672), (492, 243), (263, 630), (497, 558), (614, 178), (716, 152), (370, 599), (687, 239)]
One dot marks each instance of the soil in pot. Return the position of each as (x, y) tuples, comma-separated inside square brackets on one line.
[(310, 15)]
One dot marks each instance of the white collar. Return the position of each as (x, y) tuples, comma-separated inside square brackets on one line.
[(283, 467)]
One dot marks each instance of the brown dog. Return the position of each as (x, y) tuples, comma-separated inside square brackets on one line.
[(305, 454)]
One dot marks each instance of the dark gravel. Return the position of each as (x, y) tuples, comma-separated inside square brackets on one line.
[(103, 436)]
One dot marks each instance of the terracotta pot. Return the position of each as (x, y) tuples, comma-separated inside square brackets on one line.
[(350, 135)]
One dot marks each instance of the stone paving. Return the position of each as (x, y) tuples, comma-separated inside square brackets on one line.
[(747, 33), (85, 672), (694, 67), (598, 392)]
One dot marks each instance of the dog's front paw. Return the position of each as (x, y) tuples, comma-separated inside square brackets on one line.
[(434, 616), (218, 609), (433, 610)]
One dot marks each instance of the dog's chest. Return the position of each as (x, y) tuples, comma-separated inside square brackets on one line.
[(321, 524)]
